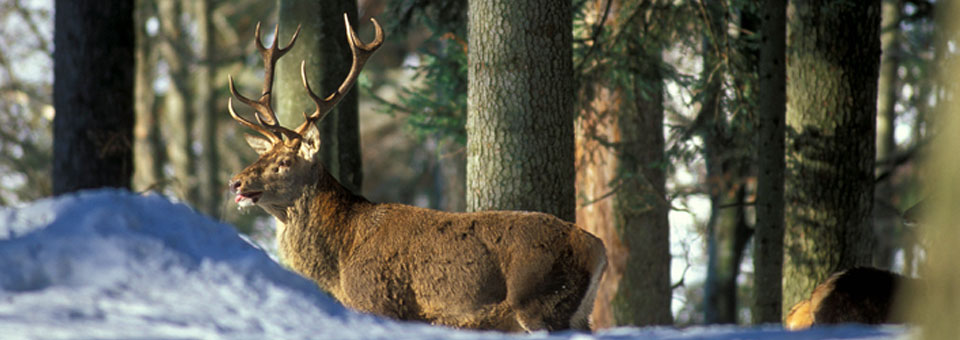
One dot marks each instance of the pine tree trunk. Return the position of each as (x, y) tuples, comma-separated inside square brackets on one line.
[(520, 107), (93, 95), (323, 45), (830, 150), (640, 207), (768, 230)]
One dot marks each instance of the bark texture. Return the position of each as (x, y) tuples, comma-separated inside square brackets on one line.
[(93, 95), (833, 66), (520, 143)]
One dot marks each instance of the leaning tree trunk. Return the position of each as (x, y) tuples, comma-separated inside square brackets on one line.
[(323, 45), (833, 66), (93, 68), (520, 144)]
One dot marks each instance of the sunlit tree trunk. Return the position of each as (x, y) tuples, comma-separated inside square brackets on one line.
[(888, 220), (520, 101), (93, 66), (148, 148), (323, 45), (768, 230), (178, 114), (934, 304), (834, 58)]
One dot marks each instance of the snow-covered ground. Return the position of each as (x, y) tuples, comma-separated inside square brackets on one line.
[(111, 264)]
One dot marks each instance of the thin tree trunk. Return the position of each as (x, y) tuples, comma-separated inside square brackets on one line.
[(768, 230), (831, 122), (888, 87), (93, 67), (178, 115), (323, 45), (520, 107), (206, 116), (148, 150), (727, 232)]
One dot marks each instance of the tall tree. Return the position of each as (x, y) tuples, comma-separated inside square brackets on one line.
[(725, 154), (886, 214), (834, 58), (93, 95), (323, 46), (178, 114), (934, 304), (147, 144), (520, 97), (621, 163), (768, 230), (209, 185)]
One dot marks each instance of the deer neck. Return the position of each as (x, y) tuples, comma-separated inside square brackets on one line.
[(318, 229)]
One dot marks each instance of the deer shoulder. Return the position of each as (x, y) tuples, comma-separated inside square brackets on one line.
[(505, 270)]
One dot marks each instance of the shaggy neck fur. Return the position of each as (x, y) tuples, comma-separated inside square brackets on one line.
[(315, 231)]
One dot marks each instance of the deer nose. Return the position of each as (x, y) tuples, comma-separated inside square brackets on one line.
[(235, 186)]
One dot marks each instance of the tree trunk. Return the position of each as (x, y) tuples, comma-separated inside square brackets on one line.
[(830, 149), (93, 95), (887, 217), (727, 231), (147, 145), (210, 186), (178, 115), (323, 45), (934, 305), (520, 107), (768, 230)]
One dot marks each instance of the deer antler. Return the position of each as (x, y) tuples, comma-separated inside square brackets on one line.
[(269, 125), (361, 52)]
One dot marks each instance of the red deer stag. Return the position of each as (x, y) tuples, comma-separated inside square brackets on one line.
[(504, 270), (858, 295)]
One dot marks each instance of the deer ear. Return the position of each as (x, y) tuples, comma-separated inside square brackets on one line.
[(259, 144), (310, 145)]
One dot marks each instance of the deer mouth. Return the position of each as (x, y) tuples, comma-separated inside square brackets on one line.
[(248, 198)]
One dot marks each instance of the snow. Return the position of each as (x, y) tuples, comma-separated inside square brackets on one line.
[(112, 264)]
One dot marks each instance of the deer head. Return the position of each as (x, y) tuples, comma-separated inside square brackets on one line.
[(288, 158)]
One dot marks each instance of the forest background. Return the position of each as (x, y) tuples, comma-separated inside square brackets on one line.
[(667, 97)]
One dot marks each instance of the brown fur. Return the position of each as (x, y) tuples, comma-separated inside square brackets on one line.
[(858, 295), (505, 270)]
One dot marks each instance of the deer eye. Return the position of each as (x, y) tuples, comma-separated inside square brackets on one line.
[(285, 162)]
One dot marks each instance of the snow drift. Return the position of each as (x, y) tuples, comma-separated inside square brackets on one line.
[(111, 264)]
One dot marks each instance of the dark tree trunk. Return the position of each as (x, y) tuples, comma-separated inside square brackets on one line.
[(520, 104), (834, 59), (93, 95), (323, 45), (727, 231), (768, 230)]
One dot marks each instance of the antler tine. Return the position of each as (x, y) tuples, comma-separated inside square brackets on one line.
[(269, 125), (361, 52), (249, 124)]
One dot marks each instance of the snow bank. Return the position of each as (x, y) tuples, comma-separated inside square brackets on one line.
[(110, 264)]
